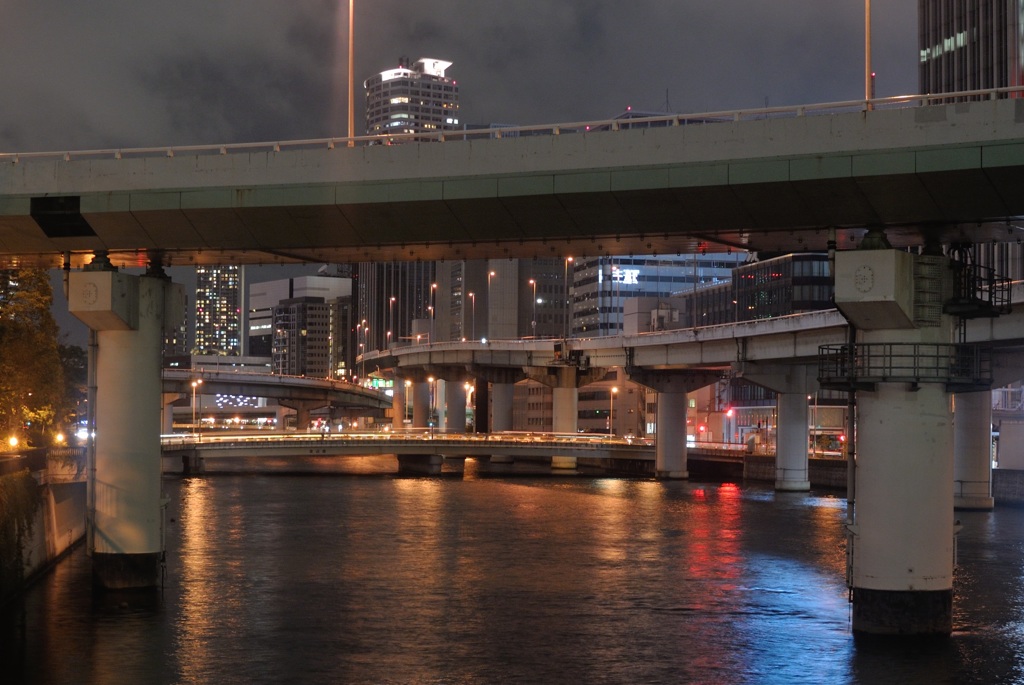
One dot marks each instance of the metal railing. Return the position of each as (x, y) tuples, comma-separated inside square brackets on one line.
[(979, 292), (667, 120), (960, 367)]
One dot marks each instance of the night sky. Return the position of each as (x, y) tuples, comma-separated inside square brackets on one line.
[(123, 73)]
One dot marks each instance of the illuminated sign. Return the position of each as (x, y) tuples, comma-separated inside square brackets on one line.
[(626, 276)]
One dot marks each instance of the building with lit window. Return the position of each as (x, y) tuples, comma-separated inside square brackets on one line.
[(601, 286), (302, 337), (970, 45), (975, 46), (218, 323), (414, 97)]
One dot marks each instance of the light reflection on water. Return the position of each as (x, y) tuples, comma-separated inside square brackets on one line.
[(381, 579)]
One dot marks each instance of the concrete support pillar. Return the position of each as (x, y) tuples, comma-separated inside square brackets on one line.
[(420, 404), (972, 451), (129, 315), (792, 384), (670, 431), (281, 415), (167, 423), (903, 535), (482, 407), (565, 413), (791, 469), (303, 410), (398, 404), (455, 407), (670, 438), (902, 532), (501, 404)]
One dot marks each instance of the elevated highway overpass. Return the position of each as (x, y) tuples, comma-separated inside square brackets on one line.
[(275, 386), (772, 179)]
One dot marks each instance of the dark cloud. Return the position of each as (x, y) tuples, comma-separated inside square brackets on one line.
[(119, 73)]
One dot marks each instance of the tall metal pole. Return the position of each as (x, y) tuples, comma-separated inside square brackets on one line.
[(867, 54), (351, 74)]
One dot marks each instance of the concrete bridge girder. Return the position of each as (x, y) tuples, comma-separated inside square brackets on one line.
[(799, 378), (675, 380)]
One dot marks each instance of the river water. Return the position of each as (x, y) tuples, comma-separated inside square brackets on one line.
[(372, 578)]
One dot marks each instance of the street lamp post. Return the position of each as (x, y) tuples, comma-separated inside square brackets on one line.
[(351, 74), (611, 410), (408, 389), (472, 298), (199, 433), (489, 305), (567, 309), (433, 303), (869, 76), (430, 406), (533, 321), (391, 313)]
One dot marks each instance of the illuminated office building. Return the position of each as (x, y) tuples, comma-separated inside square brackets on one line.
[(969, 44), (218, 324), (415, 97), (602, 285)]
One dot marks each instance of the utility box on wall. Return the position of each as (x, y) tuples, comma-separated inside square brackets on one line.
[(104, 300), (875, 288)]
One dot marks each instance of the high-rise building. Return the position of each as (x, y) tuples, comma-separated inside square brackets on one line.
[(287, 322), (263, 297), (390, 295), (412, 98), (218, 323), (970, 44), (302, 337), (975, 45)]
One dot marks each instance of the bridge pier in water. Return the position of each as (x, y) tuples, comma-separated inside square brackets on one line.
[(904, 369), (972, 451), (564, 382), (495, 386), (672, 387), (128, 316), (792, 384)]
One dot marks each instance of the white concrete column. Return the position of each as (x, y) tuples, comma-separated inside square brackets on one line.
[(398, 404), (903, 535), (670, 439), (420, 404), (281, 415), (501, 406), (128, 313), (455, 407), (565, 413), (791, 470), (972, 451)]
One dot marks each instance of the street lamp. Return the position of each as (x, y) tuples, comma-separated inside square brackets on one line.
[(611, 409), (195, 384), (391, 313), (567, 309), (433, 303), (472, 298), (351, 74), (408, 389), (430, 412), (869, 77), (533, 322)]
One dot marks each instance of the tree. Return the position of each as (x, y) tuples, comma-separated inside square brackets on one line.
[(75, 364), (31, 375)]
